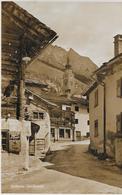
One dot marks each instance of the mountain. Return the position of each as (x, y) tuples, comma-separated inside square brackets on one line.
[(57, 56), (49, 68)]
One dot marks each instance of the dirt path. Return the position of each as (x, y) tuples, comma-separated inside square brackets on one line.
[(76, 161), (69, 169)]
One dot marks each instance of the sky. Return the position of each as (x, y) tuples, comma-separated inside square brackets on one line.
[(86, 27)]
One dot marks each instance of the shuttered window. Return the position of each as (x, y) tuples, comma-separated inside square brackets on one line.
[(96, 98), (119, 123), (96, 128), (77, 108), (76, 121), (119, 87)]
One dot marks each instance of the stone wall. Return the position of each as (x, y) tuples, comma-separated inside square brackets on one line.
[(118, 151)]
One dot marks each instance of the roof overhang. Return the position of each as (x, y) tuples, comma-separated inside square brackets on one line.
[(35, 35), (102, 72), (46, 102)]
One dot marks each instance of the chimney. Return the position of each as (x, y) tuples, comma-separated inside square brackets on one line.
[(117, 45)]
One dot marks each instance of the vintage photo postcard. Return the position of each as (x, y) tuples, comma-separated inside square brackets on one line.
[(61, 97)]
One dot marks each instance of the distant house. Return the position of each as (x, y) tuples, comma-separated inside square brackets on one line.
[(72, 121), (62, 125), (105, 106), (23, 38)]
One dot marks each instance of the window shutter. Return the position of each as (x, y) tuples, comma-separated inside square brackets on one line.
[(96, 98), (96, 128), (118, 122), (119, 88), (121, 122)]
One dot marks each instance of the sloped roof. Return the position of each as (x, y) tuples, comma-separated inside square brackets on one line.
[(56, 99), (32, 82), (19, 22), (102, 72), (45, 101)]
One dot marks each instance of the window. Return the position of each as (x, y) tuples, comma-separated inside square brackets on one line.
[(78, 134), (67, 133), (88, 109), (5, 140), (119, 87), (119, 123), (96, 98), (76, 121), (35, 115), (41, 115), (53, 132), (88, 123), (96, 128), (61, 133), (77, 108), (38, 115), (68, 108)]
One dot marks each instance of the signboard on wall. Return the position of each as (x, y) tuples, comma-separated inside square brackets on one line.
[(14, 142)]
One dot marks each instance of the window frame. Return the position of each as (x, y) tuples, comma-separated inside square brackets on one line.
[(77, 110), (34, 112), (60, 134), (68, 132), (76, 119), (38, 115), (88, 122)]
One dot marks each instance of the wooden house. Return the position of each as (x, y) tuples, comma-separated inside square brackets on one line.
[(23, 38)]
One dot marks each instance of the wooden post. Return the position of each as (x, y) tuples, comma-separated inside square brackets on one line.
[(22, 91), (24, 138)]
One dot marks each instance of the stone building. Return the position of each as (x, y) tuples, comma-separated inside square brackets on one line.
[(105, 106), (23, 38)]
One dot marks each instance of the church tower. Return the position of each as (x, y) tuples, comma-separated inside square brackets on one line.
[(68, 80)]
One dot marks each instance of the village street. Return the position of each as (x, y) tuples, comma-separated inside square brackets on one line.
[(69, 168), (61, 97)]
